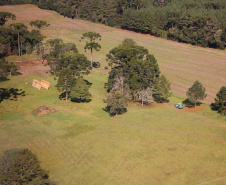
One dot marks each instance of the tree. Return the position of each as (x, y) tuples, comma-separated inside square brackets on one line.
[(80, 92), (21, 166), (116, 103), (144, 95), (220, 100), (91, 44), (161, 89), (39, 24), (78, 63), (56, 48), (7, 68), (138, 69), (5, 41), (196, 92), (19, 28), (4, 16), (65, 81)]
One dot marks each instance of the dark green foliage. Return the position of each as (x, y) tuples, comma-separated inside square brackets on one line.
[(11, 94), (80, 91), (7, 68), (116, 103), (55, 48), (220, 101), (39, 24), (17, 37), (180, 20), (138, 69), (196, 92), (161, 89), (4, 16), (65, 81), (78, 63), (21, 166)]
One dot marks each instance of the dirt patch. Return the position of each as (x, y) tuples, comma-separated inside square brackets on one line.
[(32, 67), (42, 110), (192, 109)]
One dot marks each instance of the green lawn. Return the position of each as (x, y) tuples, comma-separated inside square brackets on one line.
[(81, 144)]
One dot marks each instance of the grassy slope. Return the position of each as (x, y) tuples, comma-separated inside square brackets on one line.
[(81, 144)]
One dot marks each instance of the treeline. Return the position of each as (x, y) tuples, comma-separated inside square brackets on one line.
[(200, 22), (17, 39)]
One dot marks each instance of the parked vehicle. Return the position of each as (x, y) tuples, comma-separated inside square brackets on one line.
[(179, 105)]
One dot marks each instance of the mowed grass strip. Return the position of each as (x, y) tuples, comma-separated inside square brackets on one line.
[(81, 144)]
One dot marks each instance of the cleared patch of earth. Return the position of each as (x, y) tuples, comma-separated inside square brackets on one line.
[(32, 67)]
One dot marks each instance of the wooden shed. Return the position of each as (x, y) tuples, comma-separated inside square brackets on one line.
[(37, 84), (45, 84)]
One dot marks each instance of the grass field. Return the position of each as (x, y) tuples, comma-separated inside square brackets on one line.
[(156, 144)]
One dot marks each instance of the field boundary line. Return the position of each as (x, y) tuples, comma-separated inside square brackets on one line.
[(213, 180)]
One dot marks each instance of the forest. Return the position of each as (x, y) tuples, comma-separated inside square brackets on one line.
[(201, 23)]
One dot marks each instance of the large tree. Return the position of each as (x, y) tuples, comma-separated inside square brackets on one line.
[(80, 91), (20, 28), (91, 44), (21, 166), (138, 69), (66, 81), (196, 92), (55, 48), (7, 68), (78, 63), (39, 24), (116, 103), (4, 16)]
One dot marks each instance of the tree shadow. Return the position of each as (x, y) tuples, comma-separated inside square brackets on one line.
[(188, 103), (81, 100), (96, 64), (18, 73), (62, 96), (11, 94), (88, 83), (112, 114), (2, 79)]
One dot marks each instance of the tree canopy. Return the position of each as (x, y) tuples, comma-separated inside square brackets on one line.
[(116, 103), (39, 24), (134, 73), (21, 166), (196, 92), (80, 91), (220, 100), (4, 16)]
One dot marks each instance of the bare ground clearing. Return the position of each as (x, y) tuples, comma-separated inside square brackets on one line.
[(32, 67), (181, 63)]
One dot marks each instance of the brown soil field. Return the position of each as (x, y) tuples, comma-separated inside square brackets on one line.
[(182, 64), (31, 67)]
